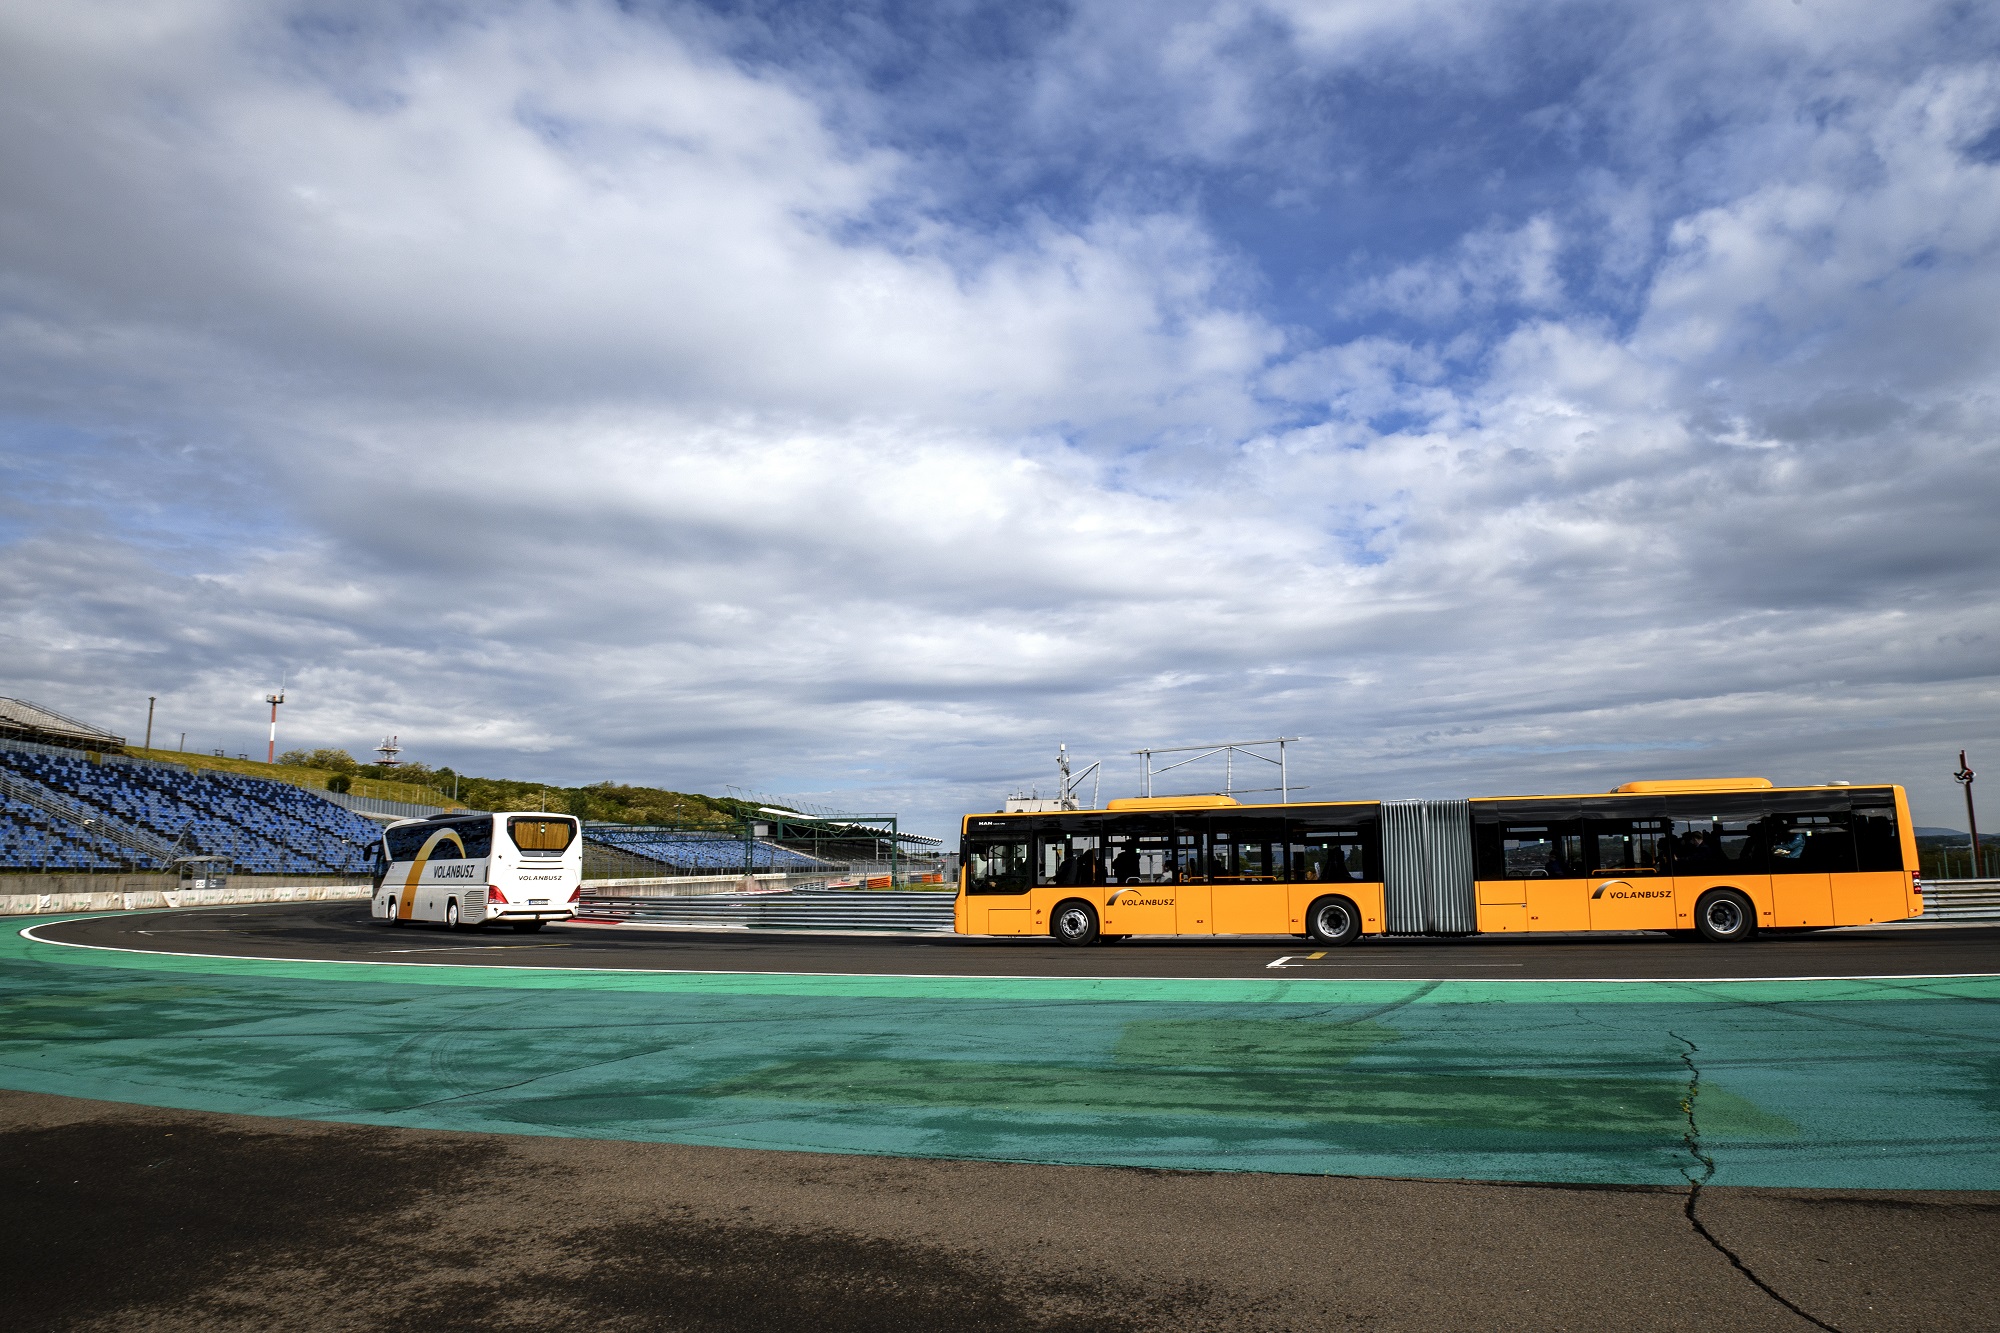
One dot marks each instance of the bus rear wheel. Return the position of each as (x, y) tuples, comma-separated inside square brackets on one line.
[(451, 915), (1073, 922), (1333, 920), (1724, 916), (527, 927)]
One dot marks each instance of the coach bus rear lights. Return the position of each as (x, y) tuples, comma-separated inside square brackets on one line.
[(494, 896), (576, 894)]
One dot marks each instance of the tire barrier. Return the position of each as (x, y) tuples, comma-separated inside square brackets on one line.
[(801, 909)]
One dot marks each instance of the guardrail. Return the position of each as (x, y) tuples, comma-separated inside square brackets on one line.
[(1961, 900), (801, 909)]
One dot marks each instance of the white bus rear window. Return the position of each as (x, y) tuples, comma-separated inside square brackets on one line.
[(541, 837)]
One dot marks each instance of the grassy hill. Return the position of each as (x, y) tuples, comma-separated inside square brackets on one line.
[(300, 775), (420, 784)]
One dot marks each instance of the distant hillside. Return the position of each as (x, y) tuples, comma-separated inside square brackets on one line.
[(312, 777), (612, 802), (1947, 854)]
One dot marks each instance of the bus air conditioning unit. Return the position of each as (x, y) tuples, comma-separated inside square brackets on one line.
[(1427, 884)]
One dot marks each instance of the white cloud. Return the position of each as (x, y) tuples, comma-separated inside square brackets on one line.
[(569, 399)]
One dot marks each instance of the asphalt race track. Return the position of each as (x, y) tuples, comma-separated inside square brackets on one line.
[(291, 1115), (343, 932)]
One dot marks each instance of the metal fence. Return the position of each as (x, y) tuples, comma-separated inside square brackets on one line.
[(799, 909)]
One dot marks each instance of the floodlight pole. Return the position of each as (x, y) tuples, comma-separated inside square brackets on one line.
[(270, 755), (151, 699), (1965, 775)]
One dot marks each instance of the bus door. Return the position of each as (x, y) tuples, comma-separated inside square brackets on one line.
[(1809, 846), (1246, 873), (1192, 897), (1529, 867), (1140, 895), (1879, 889), (1627, 847), (1716, 845), (998, 873)]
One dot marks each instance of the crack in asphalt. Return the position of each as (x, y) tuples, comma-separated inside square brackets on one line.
[(1691, 1140)]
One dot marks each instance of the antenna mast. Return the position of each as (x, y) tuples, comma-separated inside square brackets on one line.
[(1067, 790)]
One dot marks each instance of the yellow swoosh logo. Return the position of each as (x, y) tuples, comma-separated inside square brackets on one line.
[(409, 898)]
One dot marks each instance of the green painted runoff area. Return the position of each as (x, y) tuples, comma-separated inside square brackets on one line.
[(1891, 1084)]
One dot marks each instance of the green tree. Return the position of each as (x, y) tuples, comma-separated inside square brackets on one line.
[(340, 761)]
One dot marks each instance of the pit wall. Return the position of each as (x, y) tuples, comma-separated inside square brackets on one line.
[(26, 895)]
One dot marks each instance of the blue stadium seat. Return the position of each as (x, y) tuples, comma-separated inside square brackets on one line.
[(263, 827)]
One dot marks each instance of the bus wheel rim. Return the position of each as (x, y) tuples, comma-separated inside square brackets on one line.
[(1332, 919), (1723, 916)]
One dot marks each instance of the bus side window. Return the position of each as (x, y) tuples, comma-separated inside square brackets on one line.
[(1070, 859), (1319, 855), (1876, 846), (1540, 850), (1809, 844), (997, 867), (406, 841)]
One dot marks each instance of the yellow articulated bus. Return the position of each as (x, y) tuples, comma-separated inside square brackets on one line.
[(467, 870), (1719, 859)]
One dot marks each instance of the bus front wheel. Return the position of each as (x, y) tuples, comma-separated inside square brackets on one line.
[(1073, 922), (1334, 920), (1724, 916)]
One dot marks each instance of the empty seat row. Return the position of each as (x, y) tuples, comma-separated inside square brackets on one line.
[(263, 827)]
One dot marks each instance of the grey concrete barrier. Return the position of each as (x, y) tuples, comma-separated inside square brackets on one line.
[(34, 904)]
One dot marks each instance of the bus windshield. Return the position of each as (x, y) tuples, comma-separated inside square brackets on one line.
[(541, 837)]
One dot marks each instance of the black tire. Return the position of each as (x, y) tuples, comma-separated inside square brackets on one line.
[(1073, 922), (390, 920), (527, 927), (1333, 920), (1724, 916), (451, 914)]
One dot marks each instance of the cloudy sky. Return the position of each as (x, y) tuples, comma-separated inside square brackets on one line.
[(853, 401)]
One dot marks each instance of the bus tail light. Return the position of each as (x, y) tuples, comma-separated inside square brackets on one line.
[(576, 894), (1917, 882), (493, 895)]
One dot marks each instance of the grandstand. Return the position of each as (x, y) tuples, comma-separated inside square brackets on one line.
[(77, 812), (654, 850), (36, 725), (70, 802)]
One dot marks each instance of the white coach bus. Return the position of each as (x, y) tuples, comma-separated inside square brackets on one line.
[(472, 870)]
